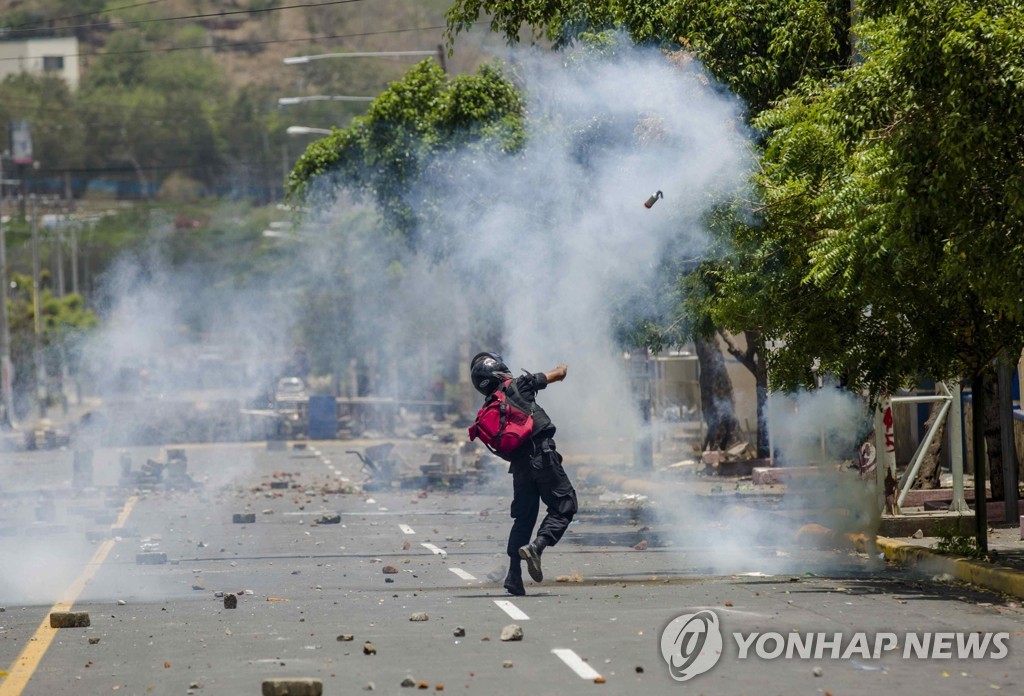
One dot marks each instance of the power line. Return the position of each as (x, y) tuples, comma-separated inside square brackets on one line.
[(244, 44), (83, 14), (205, 15)]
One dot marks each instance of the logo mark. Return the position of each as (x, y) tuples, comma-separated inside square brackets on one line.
[(691, 644)]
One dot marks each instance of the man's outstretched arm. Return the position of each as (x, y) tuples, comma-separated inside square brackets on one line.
[(557, 374)]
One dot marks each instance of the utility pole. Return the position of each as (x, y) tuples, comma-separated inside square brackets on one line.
[(6, 369), (74, 258), (37, 305)]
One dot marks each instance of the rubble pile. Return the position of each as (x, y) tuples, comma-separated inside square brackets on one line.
[(169, 475)]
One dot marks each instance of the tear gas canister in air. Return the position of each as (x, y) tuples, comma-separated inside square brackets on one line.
[(653, 199)]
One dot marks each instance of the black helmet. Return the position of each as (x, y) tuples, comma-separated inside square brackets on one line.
[(488, 370)]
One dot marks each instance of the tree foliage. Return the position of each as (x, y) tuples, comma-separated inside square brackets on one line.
[(387, 154), (890, 240), (758, 49)]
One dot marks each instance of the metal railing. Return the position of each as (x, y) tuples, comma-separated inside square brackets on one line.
[(950, 411)]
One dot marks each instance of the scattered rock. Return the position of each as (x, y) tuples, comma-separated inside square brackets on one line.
[(728, 602), (639, 669), (389, 570), (244, 518), (121, 602), (69, 619), (507, 664), (329, 519), (420, 616), (408, 682), (818, 671), (150, 558), (406, 545), (641, 546), (512, 632), (599, 679), (293, 687), (230, 601), (345, 637), (575, 577), (919, 534), (94, 641), (369, 649), (460, 632), (369, 686)]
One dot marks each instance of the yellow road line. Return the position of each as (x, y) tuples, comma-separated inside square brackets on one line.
[(28, 661)]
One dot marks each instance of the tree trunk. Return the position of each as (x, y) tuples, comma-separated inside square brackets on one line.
[(716, 396), (993, 441), (928, 474), (978, 448), (752, 360)]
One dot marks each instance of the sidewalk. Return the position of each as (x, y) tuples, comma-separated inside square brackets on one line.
[(1004, 573)]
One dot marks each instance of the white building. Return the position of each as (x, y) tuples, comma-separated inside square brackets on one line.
[(39, 56)]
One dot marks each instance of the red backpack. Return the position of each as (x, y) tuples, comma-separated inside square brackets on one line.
[(502, 426)]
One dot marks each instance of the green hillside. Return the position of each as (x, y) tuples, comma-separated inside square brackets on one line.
[(179, 98)]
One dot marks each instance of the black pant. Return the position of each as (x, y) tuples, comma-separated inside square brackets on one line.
[(535, 478)]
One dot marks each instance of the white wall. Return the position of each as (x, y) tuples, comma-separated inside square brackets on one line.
[(28, 55)]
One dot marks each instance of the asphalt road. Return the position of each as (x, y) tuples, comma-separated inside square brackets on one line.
[(301, 584)]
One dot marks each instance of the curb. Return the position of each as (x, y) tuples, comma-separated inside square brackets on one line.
[(999, 578), (980, 573)]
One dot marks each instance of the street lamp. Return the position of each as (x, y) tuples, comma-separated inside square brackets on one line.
[(301, 60), (287, 101), (306, 130)]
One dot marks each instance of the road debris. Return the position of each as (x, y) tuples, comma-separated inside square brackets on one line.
[(459, 632), (94, 641), (420, 616), (293, 687), (150, 558), (408, 683), (389, 570), (230, 601), (369, 649), (329, 519), (69, 619), (573, 577), (243, 518), (512, 632), (641, 546), (345, 637), (507, 664)]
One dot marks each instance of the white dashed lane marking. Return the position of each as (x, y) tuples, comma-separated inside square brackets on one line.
[(511, 609), (434, 550), (576, 663), (462, 574), (406, 529)]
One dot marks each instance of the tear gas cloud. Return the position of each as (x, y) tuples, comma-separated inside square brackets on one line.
[(558, 238), (822, 427)]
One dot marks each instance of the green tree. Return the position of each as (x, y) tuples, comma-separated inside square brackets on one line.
[(386, 154), (891, 233), (759, 49)]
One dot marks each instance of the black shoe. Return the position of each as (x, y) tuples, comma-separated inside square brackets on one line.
[(514, 584), (531, 554)]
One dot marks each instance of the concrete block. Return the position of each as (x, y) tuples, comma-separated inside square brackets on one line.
[(293, 687), (69, 619), (150, 558), (244, 518), (765, 476)]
